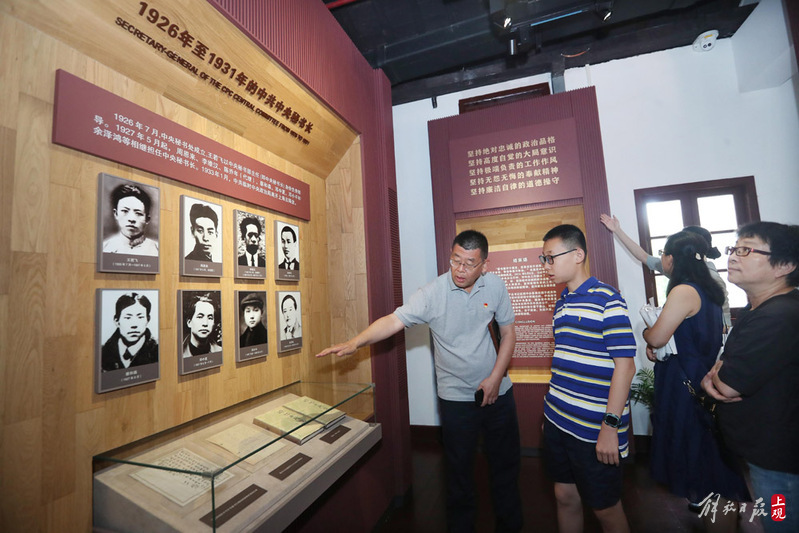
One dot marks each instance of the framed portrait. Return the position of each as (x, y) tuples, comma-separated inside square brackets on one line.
[(128, 216), (200, 330), (287, 251), (251, 325), (200, 238), (289, 311), (248, 234), (126, 346)]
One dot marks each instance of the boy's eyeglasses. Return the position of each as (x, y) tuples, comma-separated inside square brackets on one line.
[(551, 258)]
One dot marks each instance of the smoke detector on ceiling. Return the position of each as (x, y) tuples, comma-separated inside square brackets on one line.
[(706, 41)]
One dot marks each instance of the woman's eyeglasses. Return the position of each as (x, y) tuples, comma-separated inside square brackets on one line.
[(743, 251)]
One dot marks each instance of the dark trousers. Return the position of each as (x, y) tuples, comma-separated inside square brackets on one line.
[(462, 424)]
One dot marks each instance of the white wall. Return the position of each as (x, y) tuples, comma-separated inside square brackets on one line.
[(677, 116), (666, 118)]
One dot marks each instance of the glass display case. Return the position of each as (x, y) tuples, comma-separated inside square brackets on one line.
[(253, 466)]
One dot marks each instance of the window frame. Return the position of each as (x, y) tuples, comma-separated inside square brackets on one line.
[(744, 196)]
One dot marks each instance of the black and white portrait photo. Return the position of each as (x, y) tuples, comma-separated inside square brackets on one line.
[(251, 324), (127, 338), (287, 251), (127, 226), (290, 321), (250, 245), (200, 237), (200, 321)]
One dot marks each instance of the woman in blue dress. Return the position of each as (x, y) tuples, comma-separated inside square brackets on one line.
[(686, 455)]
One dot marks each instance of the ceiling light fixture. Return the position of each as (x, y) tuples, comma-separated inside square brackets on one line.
[(507, 16), (517, 21), (604, 10)]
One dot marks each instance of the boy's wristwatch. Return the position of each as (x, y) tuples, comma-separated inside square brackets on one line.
[(612, 420)]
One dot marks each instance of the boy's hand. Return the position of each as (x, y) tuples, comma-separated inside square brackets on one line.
[(607, 446)]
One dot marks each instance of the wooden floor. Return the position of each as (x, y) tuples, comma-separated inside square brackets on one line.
[(649, 507)]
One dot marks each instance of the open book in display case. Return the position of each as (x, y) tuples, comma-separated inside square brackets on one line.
[(255, 466)]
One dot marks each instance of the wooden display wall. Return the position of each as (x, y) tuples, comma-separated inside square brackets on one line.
[(52, 421)]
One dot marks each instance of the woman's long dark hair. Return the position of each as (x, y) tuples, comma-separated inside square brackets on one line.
[(688, 251)]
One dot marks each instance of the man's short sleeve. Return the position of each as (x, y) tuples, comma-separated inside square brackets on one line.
[(616, 328), (504, 314), (654, 263), (416, 310)]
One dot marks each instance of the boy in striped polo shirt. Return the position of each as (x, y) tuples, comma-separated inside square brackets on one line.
[(587, 407)]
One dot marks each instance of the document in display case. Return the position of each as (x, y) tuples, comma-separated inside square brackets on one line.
[(321, 412), (290, 424), (225, 472), (175, 483)]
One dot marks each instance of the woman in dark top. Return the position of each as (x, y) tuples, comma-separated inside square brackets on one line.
[(757, 377), (686, 455)]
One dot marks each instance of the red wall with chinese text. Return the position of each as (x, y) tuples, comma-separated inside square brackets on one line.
[(579, 105)]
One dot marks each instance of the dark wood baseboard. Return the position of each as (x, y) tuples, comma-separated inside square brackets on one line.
[(425, 434), (643, 444)]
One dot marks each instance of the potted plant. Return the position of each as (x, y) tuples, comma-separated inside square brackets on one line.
[(643, 388)]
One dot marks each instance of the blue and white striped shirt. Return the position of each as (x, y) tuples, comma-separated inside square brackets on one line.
[(591, 327)]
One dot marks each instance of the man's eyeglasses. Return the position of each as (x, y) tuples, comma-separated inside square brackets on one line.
[(456, 264), (551, 258), (743, 251)]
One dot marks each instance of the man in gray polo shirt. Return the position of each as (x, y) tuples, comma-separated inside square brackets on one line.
[(475, 394)]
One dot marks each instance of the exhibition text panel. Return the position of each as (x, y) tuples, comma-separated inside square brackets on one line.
[(93, 120), (533, 164), (533, 296)]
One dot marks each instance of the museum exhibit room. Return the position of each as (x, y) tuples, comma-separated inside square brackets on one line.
[(388, 265)]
